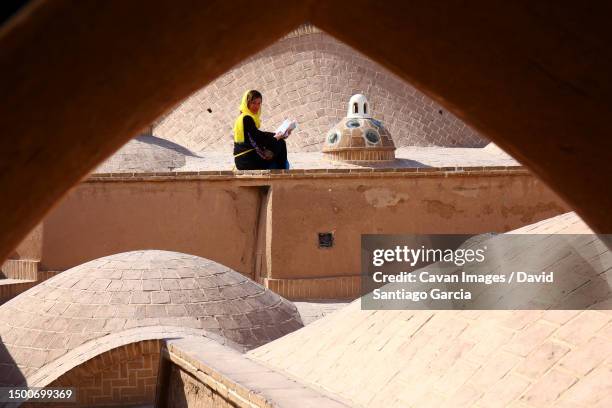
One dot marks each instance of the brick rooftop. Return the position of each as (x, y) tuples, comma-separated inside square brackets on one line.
[(415, 157), (461, 358), (406, 157), (310, 76), (136, 289)]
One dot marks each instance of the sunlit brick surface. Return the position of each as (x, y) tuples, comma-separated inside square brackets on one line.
[(533, 358), (310, 76)]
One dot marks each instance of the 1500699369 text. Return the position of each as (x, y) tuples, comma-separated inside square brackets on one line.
[(37, 394)]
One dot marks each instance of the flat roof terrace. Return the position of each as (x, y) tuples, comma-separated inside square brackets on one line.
[(406, 157), (138, 161)]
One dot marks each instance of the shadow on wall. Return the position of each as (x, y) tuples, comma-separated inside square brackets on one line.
[(10, 374)]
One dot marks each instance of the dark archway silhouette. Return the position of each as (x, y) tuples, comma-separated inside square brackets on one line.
[(79, 79)]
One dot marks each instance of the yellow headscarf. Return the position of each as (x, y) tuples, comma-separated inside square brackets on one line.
[(239, 124)]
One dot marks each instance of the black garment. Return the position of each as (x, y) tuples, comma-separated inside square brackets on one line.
[(256, 139)]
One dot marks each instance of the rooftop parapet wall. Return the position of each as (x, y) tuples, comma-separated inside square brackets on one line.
[(99, 219), (309, 75), (238, 175), (198, 372), (214, 214)]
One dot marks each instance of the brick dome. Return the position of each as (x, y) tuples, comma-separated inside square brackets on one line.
[(136, 289), (146, 153), (309, 75)]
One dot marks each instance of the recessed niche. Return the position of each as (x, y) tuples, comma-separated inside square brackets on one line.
[(326, 239)]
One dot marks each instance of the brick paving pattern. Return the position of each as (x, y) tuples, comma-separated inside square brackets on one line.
[(130, 290), (310, 76), (532, 358), (122, 376), (96, 357), (128, 381)]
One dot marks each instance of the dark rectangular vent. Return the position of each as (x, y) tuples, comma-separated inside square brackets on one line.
[(326, 239)]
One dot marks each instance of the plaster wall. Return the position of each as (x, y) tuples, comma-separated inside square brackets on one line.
[(98, 219), (219, 219), (417, 205), (31, 246)]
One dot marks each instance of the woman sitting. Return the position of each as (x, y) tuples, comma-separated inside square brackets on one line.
[(254, 149)]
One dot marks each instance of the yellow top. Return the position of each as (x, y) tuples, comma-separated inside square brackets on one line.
[(239, 124)]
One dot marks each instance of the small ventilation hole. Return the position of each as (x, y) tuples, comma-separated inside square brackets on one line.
[(326, 239)]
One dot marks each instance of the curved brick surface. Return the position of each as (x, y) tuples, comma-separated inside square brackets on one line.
[(146, 153), (533, 358), (91, 353), (310, 76), (125, 376), (136, 289), (118, 369)]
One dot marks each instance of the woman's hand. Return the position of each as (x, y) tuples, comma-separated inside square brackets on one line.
[(280, 136)]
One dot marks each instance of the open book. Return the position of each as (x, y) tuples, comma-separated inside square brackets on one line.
[(284, 128)]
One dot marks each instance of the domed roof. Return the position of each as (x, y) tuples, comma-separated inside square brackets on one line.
[(359, 137), (138, 289), (146, 153), (309, 75)]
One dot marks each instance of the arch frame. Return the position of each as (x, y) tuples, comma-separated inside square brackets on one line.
[(536, 91)]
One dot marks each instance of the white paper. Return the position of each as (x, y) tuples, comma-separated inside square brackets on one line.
[(287, 125)]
